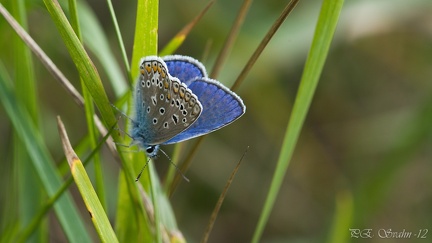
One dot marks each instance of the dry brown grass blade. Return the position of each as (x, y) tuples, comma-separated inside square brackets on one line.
[(288, 9), (46, 61), (185, 165), (221, 58), (183, 33), (229, 42), (220, 200), (70, 154)]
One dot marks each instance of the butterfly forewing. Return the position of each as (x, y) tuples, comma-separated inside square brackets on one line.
[(166, 106)]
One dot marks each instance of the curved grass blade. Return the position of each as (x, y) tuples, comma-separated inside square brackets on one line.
[(324, 31), (91, 200), (65, 209)]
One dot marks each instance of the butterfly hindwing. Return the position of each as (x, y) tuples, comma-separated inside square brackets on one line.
[(185, 68), (220, 105)]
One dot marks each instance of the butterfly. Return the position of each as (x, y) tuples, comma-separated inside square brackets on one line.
[(174, 100)]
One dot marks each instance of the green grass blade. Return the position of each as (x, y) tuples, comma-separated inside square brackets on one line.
[(30, 228), (82, 62), (65, 209), (342, 221), (97, 42), (87, 71), (89, 111), (324, 31), (146, 33), (154, 186), (91, 200), (119, 38), (132, 223), (30, 198)]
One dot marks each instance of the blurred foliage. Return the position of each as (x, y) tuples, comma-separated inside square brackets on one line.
[(367, 135)]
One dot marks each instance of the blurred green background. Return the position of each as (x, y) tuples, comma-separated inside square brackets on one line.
[(367, 138)]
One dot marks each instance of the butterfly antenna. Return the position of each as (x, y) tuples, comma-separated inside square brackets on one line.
[(177, 168), (139, 175), (122, 113)]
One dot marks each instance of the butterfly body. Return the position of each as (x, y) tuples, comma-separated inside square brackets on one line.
[(175, 101)]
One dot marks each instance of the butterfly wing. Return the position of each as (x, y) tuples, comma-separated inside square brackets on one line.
[(185, 68), (220, 105), (164, 107)]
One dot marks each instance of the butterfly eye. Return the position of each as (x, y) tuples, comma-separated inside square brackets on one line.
[(150, 149)]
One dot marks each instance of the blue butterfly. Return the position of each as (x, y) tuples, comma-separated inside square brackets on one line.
[(174, 101)]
